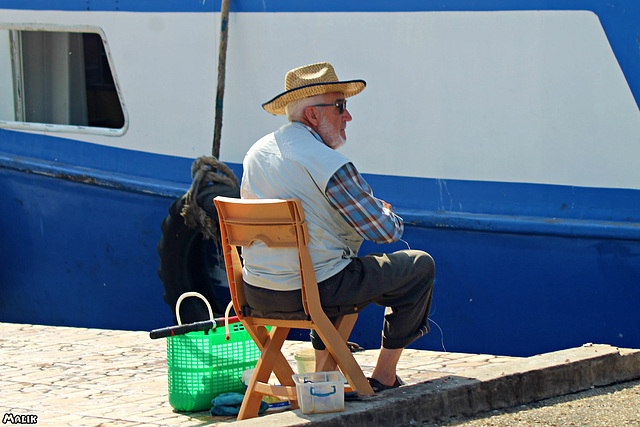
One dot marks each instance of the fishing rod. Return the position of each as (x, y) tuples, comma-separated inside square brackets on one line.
[(204, 325)]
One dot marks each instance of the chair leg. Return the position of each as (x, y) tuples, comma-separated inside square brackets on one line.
[(261, 336), (344, 325), (271, 355), (337, 346), (281, 367), (250, 404), (251, 401)]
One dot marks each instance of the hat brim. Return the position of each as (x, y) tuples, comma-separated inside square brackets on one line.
[(348, 88)]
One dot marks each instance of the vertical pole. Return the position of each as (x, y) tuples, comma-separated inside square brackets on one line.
[(222, 59)]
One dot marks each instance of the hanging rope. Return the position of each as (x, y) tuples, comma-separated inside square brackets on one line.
[(205, 170)]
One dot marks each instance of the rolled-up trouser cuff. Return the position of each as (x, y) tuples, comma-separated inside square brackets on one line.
[(402, 343)]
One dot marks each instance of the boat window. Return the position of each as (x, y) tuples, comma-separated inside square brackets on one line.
[(57, 78)]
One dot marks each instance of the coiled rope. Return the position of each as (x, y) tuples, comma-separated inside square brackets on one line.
[(205, 170)]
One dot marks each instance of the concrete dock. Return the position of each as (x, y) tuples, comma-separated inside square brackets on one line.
[(89, 377)]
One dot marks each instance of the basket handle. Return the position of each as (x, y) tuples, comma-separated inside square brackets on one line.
[(227, 334), (192, 294), (319, 394)]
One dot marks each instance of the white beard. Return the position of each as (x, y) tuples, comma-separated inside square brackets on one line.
[(330, 136)]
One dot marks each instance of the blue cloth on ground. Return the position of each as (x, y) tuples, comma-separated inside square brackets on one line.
[(229, 404)]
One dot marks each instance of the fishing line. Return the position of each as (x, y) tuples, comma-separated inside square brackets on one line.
[(441, 334), (406, 243), (430, 320)]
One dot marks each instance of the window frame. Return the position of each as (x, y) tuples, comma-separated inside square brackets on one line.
[(18, 83)]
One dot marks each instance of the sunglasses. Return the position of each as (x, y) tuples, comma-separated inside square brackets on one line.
[(342, 105)]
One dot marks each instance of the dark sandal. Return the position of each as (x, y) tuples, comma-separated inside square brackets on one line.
[(352, 396), (377, 386)]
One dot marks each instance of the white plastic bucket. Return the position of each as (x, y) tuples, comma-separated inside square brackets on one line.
[(306, 361)]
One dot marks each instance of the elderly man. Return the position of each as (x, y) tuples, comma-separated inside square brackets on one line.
[(299, 160)]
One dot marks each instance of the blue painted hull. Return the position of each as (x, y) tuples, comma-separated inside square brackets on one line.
[(79, 254), (84, 254)]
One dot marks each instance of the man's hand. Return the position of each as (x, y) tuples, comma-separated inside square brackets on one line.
[(386, 205)]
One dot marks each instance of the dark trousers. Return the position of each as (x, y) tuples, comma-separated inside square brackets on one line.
[(401, 281)]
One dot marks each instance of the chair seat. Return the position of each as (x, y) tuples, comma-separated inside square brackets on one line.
[(280, 315), (297, 315)]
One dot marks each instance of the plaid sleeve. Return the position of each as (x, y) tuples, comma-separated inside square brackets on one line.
[(351, 195)]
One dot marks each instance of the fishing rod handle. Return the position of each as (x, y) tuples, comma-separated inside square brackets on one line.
[(171, 331)]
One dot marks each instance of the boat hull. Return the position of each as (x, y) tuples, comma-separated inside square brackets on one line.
[(506, 136)]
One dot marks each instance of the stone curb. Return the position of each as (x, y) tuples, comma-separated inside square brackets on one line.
[(480, 389)]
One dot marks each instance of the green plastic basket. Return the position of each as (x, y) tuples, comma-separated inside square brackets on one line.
[(204, 364)]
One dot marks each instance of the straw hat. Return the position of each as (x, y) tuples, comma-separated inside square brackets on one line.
[(311, 80)]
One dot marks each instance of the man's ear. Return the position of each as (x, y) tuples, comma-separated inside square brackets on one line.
[(311, 115)]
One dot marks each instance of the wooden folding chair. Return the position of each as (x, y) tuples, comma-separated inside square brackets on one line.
[(280, 223)]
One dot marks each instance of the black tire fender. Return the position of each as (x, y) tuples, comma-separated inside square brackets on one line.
[(188, 262)]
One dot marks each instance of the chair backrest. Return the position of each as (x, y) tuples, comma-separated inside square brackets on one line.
[(279, 223)]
